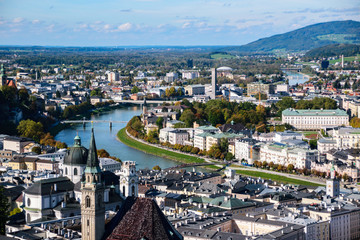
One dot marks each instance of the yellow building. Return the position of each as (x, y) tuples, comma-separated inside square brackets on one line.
[(30, 163), (17, 163)]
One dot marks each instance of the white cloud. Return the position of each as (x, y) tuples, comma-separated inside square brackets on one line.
[(35, 21), (124, 27), (18, 20)]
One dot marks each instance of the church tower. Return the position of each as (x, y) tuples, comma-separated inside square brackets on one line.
[(128, 179), (333, 184), (3, 77), (92, 197)]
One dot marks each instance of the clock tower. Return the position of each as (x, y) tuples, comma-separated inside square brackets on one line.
[(128, 179), (92, 196)]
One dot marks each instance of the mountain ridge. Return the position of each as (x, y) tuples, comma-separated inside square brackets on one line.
[(306, 38)]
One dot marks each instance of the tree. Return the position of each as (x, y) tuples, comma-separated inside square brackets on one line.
[(355, 122), (284, 103), (188, 117), (36, 150), (103, 153), (4, 210), (313, 144), (15, 211), (157, 168), (135, 89), (290, 167), (229, 156), (96, 92), (60, 145), (159, 122), (223, 145), (31, 129)]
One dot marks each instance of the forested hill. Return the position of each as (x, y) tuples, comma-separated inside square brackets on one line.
[(334, 50), (306, 38)]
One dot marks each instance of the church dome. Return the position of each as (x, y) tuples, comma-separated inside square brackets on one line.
[(77, 155)]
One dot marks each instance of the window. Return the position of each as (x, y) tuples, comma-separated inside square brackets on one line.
[(88, 223), (66, 171), (75, 171), (124, 190), (87, 201), (28, 202), (133, 191)]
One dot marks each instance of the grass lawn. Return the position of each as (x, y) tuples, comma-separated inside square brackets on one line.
[(124, 138), (276, 178), (221, 56)]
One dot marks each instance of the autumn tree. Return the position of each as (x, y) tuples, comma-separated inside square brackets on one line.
[(31, 129)]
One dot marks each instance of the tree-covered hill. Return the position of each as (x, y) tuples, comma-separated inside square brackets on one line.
[(306, 38), (334, 50)]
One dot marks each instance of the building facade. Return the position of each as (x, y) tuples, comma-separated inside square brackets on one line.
[(314, 119)]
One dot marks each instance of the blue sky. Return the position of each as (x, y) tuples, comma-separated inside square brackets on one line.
[(161, 22)]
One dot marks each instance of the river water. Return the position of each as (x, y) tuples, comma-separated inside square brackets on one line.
[(106, 138), (295, 77)]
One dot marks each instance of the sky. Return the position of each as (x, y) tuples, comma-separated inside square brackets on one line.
[(161, 22)]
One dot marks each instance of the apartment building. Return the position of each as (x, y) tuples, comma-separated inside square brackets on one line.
[(282, 154)]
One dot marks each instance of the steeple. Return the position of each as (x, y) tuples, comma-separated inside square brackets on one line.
[(92, 165)]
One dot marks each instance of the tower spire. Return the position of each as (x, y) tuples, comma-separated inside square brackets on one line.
[(92, 165)]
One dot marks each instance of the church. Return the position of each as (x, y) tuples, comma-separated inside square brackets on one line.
[(87, 190), (3, 78)]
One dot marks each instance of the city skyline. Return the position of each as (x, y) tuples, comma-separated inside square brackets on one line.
[(159, 22)]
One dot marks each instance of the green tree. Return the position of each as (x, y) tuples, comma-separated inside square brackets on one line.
[(4, 210), (96, 92), (31, 129), (60, 145), (229, 156), (284, 103), (159, 122), (36, 150), (188, 117), (135, 89)]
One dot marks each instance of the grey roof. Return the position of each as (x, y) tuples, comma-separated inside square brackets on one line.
[(47, 186)]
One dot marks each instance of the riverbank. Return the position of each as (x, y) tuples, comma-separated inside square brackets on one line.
[(276, 178), (147, 148)]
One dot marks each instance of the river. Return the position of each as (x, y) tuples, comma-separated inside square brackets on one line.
[(295, 77), (106, 138)]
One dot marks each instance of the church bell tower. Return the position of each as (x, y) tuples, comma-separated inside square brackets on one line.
[(92, 197)]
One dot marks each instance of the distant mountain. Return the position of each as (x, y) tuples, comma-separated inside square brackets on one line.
[(306, 38), (334, 50)]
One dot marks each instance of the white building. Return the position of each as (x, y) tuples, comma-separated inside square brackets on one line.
[(282, 154), (326, 144), (287, 135), (347, 137), (282, 88), (164, 134), (128, 179), (190, 74), (178, 137), (108, 164), (113, 76), (247, 149), (315, 119), (16, 144)]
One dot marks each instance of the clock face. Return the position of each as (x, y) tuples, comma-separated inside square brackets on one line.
[(133, 181), (124, 181)]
